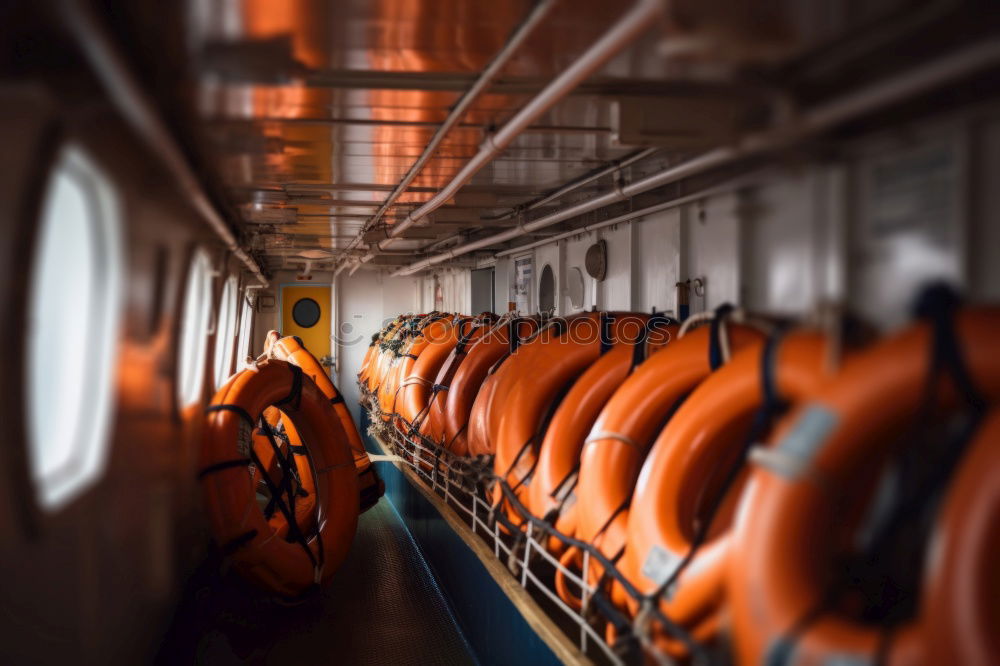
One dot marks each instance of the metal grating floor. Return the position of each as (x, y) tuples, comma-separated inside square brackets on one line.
[(382, 607)]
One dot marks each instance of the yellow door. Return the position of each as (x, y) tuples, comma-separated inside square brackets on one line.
[(305, 312)]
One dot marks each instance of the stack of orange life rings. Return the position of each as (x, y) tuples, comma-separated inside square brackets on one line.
[(645, 454), (291, 349), (289, 552)]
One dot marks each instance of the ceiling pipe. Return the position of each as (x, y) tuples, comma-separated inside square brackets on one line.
[(636, 20), (613, 167), (562, 191), (633, 214), (500, 60), (131, 101), (883, 93)]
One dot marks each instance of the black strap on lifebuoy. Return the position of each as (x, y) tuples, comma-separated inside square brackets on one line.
[(604, 320), (286, 491), (464, 340), (938, 305), (236, 409), (513, 339), (772, 405), (220, 466), (294, 397), (337, 399), (639, 347), (715, 359), (640, 350)]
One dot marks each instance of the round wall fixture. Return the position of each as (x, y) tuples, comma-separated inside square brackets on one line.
[(597, 260), (305, 312), (547, 290)]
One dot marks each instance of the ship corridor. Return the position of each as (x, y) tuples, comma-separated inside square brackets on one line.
[(500, 332)]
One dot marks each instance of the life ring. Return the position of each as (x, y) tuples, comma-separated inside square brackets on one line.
[(478, 435), (417, 386), (432, 329), (961, 587), (432, 426), (509, 374), (394, 343), (291, 349), (537, 374), (626, 427), (810, 485), (695, 472), (285, 567), (471, 377), (279, 448), (551, 494), (380, 356), (483, 419)]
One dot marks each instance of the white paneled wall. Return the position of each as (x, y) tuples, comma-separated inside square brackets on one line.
[(366, 301), (656, 246), (866, 230), (615, 290)]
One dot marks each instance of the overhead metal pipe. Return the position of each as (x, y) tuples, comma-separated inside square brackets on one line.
[(617, 165), (878, 95), (130, 99), (500, 60), (635, 21), (633, 214)]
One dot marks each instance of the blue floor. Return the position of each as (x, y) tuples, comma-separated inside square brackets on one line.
[(498, 632)]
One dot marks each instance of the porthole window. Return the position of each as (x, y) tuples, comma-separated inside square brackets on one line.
[(74, 310), (246, 328), (306, 312), (194, 328), (225, 332)]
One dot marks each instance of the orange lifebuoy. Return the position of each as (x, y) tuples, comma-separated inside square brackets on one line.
[(511, 371), (285, 567), (432, 329), (394, 344), (291, 349), (416, 388), (693, 476), (811, 485), (433, 425), (471, 380), (483, 417), (962, 586), (393, 332), (625, 429), (536, 374), (552, 493), (478, 436), (277, 443)]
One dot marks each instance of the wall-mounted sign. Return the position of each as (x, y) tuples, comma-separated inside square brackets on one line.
[(523, 283)]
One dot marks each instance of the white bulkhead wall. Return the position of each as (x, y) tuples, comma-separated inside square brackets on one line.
[(365, 302), (898, 209)]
